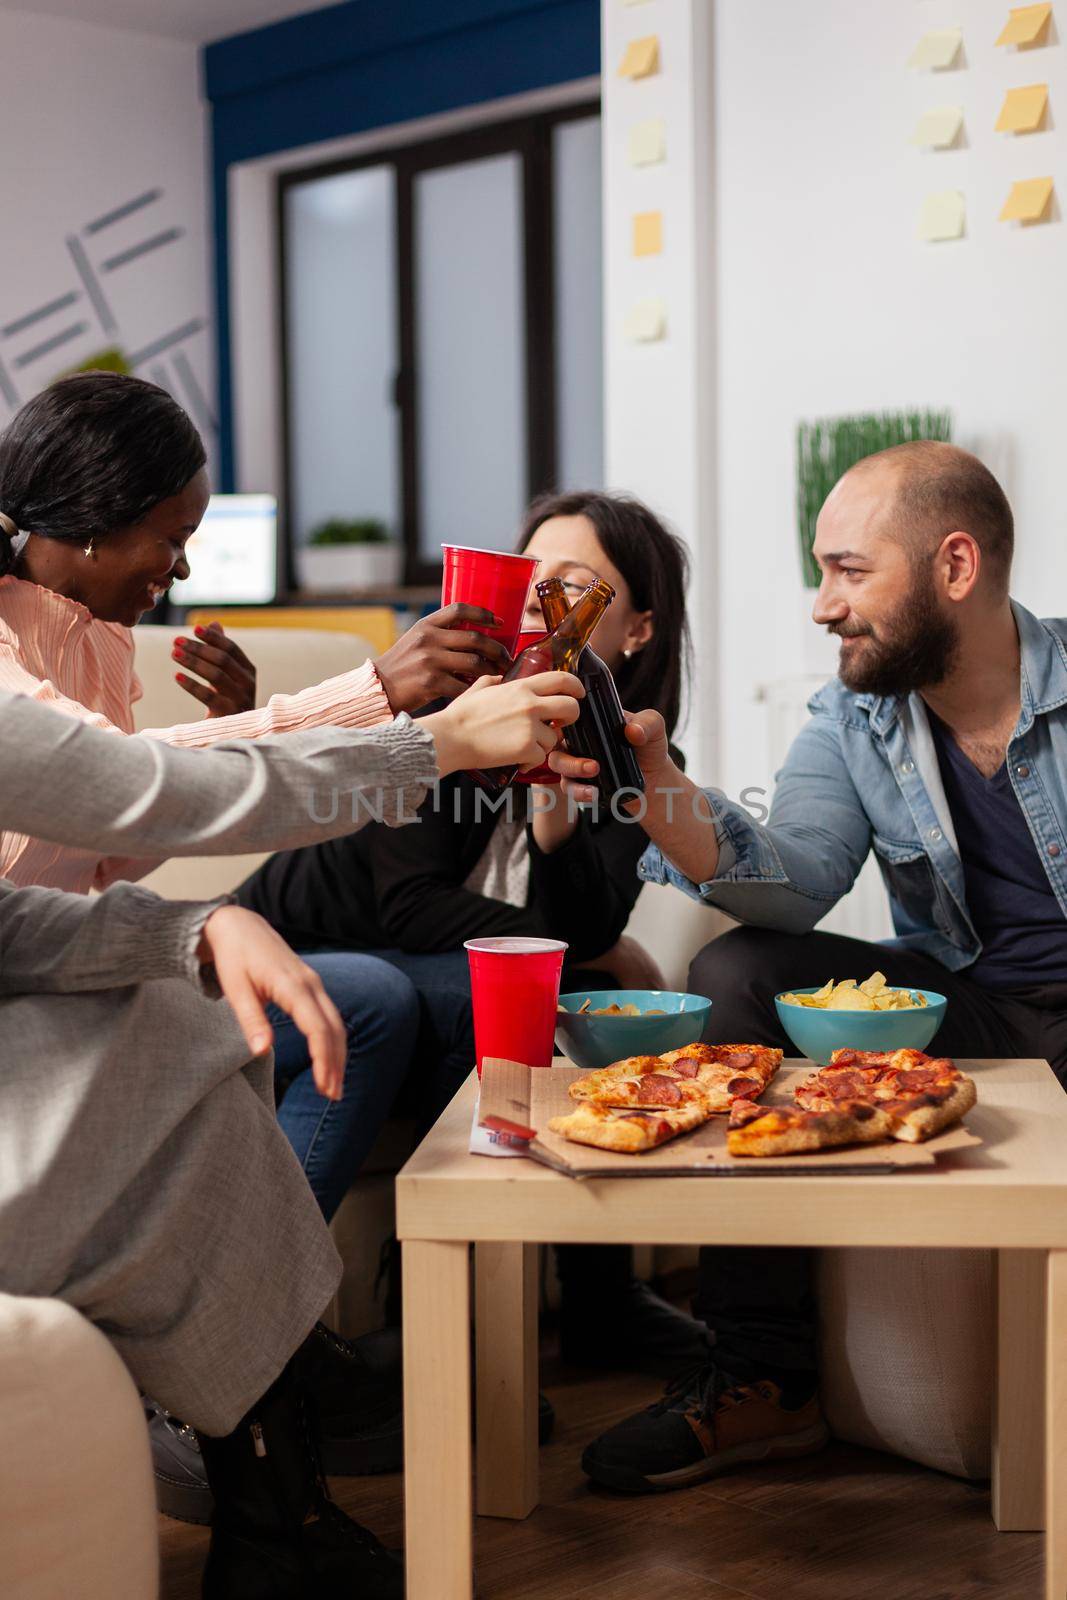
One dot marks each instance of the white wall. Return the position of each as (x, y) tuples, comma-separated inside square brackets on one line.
[(829, 303), (95, 117), (660, 440)]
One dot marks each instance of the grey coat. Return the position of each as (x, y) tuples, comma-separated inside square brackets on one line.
[(143, 1176)]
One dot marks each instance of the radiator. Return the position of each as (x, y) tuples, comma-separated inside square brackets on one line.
[(864, 911)]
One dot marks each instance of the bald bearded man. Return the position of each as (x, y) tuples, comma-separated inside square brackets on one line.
[(941, 746)]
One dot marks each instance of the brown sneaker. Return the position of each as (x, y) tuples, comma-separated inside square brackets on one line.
[(702, 1427)]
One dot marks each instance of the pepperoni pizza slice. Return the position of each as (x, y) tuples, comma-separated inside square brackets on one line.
[(631, 1132), (790, 1130), (923, 1093), (713, 1076)]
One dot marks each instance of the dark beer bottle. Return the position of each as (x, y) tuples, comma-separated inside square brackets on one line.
[(598, 735), (561, 651)]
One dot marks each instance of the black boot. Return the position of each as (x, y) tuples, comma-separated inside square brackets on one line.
[(276, 1534)]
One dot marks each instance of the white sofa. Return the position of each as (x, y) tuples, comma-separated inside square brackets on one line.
[(907, 1335)]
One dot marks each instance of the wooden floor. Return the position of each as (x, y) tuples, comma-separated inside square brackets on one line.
[(848, 1524)]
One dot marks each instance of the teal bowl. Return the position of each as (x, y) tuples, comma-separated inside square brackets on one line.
[(593, 1042), (817, 1034)]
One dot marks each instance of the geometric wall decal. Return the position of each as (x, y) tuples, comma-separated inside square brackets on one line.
[(1023, 110), (1026, 25), (938, 129), (937, 50), (1029, 201), (942, 216), (641, 59)]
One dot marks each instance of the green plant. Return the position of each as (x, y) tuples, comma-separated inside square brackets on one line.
[(828, 447), (339, 530)]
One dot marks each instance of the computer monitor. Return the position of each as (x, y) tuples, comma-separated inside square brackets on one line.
[(233, 555)]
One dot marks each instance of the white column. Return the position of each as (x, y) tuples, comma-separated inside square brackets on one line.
[(660, 424)]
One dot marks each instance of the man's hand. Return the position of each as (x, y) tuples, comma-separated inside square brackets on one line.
[(646, 731), (436, 659), (231, 678), (496, 724), (254, 967)]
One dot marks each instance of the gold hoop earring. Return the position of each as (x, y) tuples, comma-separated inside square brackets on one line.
[(90, 550)]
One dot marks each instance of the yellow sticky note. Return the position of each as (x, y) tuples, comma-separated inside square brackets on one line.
[(1028, 201), (938, 129), (647, 143), (942, 215), (648, 233), (1023, 110), (937, 49), (641, 59), (1025, 24), (645, 322)]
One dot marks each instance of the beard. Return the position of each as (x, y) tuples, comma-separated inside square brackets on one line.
[(914, 648)]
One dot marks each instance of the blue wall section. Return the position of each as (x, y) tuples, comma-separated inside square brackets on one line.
[(365, 64)]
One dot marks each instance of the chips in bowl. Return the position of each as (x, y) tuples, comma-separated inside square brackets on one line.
[(848, 995)]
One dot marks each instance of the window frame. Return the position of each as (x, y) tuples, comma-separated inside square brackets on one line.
[(530, 137)]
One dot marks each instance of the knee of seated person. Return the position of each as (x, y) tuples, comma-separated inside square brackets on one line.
[(361, 986), (746, 964)]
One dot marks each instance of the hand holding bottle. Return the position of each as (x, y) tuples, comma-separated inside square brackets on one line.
[(496, 724), (646, 731)]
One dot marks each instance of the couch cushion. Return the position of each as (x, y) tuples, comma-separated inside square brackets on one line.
[(908, 1351), (77, 1504)]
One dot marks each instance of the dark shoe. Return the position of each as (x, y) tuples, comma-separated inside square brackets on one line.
[(276, 1534), (358, 1400), (181, 1486), (631, 1327), (703, 1425)]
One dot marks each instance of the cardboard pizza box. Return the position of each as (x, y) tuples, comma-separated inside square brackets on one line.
[(521, 1098)]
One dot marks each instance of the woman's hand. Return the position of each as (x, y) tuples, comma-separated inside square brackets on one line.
[(254, 967), (231, 677), (436, 660), (494, 724), (646, 731)]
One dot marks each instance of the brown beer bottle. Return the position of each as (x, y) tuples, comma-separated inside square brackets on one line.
[(599, 734), (559, 652)]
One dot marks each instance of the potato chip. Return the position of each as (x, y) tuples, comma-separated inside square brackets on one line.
[(848, 995)]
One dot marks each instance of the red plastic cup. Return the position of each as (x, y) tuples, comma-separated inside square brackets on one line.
[(492, 579), (515, 993), (544, 773)]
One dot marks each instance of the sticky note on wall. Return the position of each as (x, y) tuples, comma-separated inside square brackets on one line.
[(937, 49), (648, 233), (1023, 110), (647, 143), (938, 129), (942, 215), (1029, 201), (646, 321), (641, 59), (1026, 25)]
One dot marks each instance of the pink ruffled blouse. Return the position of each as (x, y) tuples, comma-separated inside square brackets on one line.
[(53, 650)]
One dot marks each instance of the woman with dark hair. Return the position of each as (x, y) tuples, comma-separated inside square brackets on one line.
[(413, 896), (102, 482)]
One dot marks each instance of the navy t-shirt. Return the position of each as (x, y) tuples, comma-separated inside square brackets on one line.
[(1014, 911)]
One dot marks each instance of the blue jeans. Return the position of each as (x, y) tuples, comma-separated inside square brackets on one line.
[(445, 1053), (380, 1009)]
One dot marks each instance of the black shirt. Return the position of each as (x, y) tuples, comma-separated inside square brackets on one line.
[(1010, 899), (403, 888)]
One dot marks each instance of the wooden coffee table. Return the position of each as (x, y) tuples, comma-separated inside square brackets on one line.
[(1009, 1194)]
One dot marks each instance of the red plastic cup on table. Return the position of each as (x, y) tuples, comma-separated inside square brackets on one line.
[(515, 995), (543, 773), (492, 579)]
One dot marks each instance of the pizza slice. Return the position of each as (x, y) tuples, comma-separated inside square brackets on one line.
[(711, 1075), (924, 1094), (630, 1132), (790, 1130)]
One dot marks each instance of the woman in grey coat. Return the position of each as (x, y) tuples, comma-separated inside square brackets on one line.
[(143, 1177)]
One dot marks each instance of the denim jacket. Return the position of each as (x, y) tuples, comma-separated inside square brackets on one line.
[(863, 774)]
